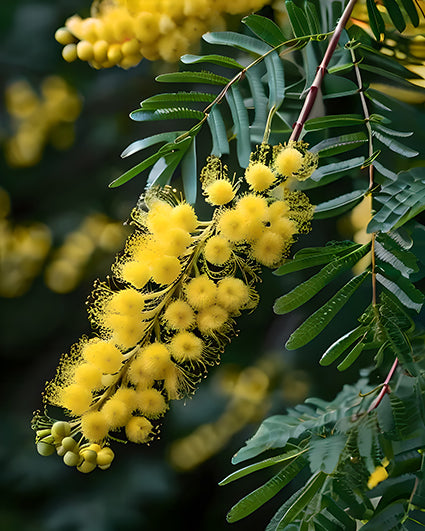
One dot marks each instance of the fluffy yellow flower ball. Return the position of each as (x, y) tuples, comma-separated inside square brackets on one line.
[(138, 430), (259, 177), (217, 250), (220, 192), (289, 161)]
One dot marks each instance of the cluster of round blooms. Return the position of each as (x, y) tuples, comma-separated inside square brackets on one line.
[(39, 119), (122, 32), (177, 287), (96, 232), (23, 249)]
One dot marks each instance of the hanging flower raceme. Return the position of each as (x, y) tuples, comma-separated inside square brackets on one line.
[(169, 309)]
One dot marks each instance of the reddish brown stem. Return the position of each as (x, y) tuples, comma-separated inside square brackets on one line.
[(385, 387), (321, 71)]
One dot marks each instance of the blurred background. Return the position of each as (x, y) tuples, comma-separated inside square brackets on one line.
[(62, 129)]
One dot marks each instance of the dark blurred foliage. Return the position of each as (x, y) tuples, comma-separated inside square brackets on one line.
[(141, 490)]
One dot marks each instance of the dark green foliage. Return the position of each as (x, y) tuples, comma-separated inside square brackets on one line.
[(366, 434)]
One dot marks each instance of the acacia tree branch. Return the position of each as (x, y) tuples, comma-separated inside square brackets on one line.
[(321, 71)]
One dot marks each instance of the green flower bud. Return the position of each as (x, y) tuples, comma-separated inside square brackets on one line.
[(86, 467), (89, 455), (45, 449), (105, 457), (72, 459), (69, 443), (61, 429)]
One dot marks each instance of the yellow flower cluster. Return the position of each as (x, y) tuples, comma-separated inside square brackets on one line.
[(39, 119), (122, 32), (96, 232), (22, 251), (177, 286)]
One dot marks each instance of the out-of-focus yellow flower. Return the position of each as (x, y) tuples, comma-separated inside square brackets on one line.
[(122, 32), (378, 475), (38, 119)]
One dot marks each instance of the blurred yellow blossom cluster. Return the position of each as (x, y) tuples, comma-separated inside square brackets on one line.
[(39, 118), (67, 267), (23, 250), (122, 32), (171, 305)]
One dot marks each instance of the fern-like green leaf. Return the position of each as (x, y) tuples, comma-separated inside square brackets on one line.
[(324, 452), (266, 29), (347, 523), (411, 10), (215, 59), (174, 99), (314, 256), (208, 78), (376, 21), (339, 144), (318, 321), (388, 249), (150, 141), (400, 287), (388, 519), (399, 344), (215, 122), (341, 345), (189, 173), (313, 18), (310, 490), (175, 113), (401, 200), (291, 454), (351, 356), (339, 205), (241, 124), (395, 14), (305, 291), (275, 80), (329, 173), (395, 146), (325, 122), (297, 19), (147, 163), (242, 42), (391, 132), (259, 100), (260, 496)]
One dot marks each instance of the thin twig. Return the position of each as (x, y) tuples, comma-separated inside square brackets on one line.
[(366, 115), (385, 387), (321, 71)]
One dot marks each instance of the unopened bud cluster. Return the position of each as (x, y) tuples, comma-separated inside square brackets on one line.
[(38, 119), (170, 307), (59, 438), (122, 32)]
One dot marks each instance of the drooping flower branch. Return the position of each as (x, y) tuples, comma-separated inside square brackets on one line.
[(170, 306)]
